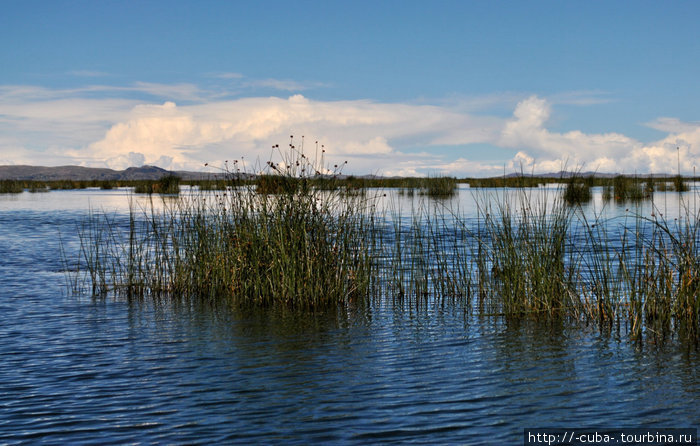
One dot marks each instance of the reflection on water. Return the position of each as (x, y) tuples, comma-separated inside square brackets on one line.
[(75, 369)]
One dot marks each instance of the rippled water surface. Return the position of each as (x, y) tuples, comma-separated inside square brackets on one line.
[(74, 369)]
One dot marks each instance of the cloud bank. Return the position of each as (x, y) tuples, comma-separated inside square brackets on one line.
[(89, 126)]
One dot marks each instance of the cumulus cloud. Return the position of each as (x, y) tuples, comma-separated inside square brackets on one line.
[(527, 130), (76, 127), (212, 132), (131, 159), (606, 152)]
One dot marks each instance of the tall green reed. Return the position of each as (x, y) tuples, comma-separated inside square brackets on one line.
[(523, 255), (299, 247)]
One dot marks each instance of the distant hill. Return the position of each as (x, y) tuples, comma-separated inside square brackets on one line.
[(563, 174), (78, 173)]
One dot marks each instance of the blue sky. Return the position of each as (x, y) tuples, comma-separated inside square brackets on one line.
[(463, 88)]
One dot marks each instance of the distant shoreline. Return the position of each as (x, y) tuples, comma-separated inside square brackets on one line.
[(79, 173)]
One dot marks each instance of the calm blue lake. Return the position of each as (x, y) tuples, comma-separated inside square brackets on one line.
[(75, 369)]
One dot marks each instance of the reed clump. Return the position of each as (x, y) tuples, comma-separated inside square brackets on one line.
[(577, 192), (73, 184), (679, 185), (167, 185), (280, 184), (217, 184), (439, 187), (663, 277), (626, 188), (298, 247), (11, 187), (522, 256)]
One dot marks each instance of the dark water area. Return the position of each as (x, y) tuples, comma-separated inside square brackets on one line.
[(79, 370)]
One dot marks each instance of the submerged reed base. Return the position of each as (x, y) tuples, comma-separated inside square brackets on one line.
[(286, 242)]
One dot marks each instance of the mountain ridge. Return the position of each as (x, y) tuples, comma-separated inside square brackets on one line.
[(147, 172), (80, 173)]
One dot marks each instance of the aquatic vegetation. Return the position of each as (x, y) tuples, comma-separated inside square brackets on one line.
[(11, 187), (217, 184), (513, 181), (295, 239), (577, 192), (663, 277), (524, 256), (439, 187), (168, 185), (679, 185), (626, 188), (73, 184), (300, 247)]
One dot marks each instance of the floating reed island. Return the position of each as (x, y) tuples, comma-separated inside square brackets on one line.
[(303, 239)]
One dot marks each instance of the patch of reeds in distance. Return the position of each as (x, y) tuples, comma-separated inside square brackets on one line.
[(107, 185), (649, 186), (513, 181), (71, 184), (577, 191), (632, 188), (662, 186), (679, 185), (279, 184), (167, 185), (434, 187), (439, 187), (11, 187), (208, 185), (624, 188)]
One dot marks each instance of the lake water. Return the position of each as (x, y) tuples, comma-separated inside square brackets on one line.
[(74, 369)]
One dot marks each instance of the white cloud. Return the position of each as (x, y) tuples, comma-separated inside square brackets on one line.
[(374, 146), (121, 162), (44, 126), (193, 135), (607, 152), (673, 125), (573, 149)]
